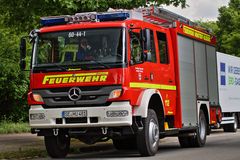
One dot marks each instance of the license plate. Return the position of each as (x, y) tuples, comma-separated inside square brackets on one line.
[(74, 114)]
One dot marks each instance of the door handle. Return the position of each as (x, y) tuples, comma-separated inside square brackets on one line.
[(151, 76)]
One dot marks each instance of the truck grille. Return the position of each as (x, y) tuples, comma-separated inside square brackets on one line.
[(90, 96)]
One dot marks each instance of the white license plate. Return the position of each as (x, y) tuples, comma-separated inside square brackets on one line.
[(74, 114)]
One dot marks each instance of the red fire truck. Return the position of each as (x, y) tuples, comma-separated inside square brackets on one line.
[(133, 76)]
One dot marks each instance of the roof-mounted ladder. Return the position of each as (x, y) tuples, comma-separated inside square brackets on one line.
[(158, 15)]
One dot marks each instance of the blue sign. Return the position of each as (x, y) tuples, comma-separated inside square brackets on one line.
[(223, 73)]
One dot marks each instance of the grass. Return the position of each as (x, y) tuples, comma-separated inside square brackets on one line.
[(25, 154), (76, 148), (7, 127), (29, 154), (40, 153)]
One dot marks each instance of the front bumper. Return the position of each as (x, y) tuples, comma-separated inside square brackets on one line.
[(49, 120)]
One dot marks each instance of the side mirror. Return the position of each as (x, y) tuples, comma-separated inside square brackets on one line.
[(22, 64), (23, 53), (146, 37), (23, 48)]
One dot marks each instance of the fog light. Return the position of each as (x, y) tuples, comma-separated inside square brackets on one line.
[(122, 113), (37, 116)]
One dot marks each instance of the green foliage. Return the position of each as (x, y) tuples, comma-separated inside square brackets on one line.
[(24, 154), (7, 127), (13, 82), (229, 28), (23, 15)]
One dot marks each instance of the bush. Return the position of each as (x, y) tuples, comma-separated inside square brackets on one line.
[(13, 82), (7, 127)]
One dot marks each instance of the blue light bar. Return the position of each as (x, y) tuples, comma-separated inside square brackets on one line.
[(113, 16), (50, 21)]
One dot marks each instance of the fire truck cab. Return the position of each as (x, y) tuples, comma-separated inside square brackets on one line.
[(133, 76)]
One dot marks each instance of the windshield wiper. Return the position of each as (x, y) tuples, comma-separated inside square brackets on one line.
[(51, 67), (58, 67), (102, 64), (66, 66), (78, 65)]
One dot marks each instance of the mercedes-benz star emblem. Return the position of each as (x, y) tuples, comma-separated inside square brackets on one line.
[(74, 93)]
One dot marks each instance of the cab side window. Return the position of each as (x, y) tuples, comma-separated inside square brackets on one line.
[(45, 51), (152, 45), (163, 47), (136, 49)]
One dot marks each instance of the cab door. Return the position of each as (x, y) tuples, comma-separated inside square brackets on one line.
[(142, 71), (156, 71), (165, 70)]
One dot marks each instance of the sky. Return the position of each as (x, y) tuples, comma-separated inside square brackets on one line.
[(206, 10)]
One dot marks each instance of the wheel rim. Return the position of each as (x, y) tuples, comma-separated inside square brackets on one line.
[(202, 128), (153, 133)]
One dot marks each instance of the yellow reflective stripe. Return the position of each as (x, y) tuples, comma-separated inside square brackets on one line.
[(150, 85), (170, 113)]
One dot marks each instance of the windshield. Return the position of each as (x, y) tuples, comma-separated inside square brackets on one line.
[(92, 48)]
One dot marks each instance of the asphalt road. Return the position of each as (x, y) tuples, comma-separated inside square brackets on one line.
[(219, 146), (17, 142)]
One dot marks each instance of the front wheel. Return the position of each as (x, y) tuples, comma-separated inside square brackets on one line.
[(57, 146), (148, 138), (198, 139)]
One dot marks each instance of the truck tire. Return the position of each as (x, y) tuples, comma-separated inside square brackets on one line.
[(127, 143), (198, 139), (57, 146), (148, 137), (231, 127)]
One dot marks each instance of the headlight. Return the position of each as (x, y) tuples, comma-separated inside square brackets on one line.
[(115, 93), (37, 116), (37, 97)]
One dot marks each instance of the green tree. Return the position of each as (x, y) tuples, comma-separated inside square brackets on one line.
[(23, 15), (229, 28), (13, 82)]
